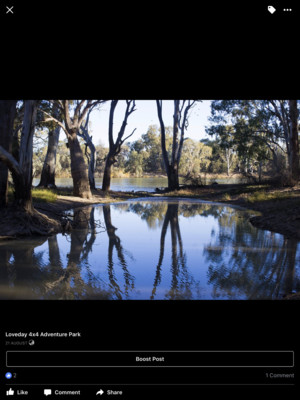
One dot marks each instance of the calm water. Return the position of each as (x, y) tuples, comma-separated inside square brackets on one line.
[(153, 249), (119, 184), (148, 184)]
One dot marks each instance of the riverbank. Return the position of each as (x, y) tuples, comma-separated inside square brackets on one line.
[(50, 205), (279, 207)]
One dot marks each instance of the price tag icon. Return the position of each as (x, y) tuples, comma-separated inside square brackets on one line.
[(271, 9)]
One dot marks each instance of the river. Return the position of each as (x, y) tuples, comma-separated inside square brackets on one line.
[(150, 249), (148, 184)]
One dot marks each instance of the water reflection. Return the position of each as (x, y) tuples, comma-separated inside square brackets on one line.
[(245, 262), (153, 250), (115, 242)]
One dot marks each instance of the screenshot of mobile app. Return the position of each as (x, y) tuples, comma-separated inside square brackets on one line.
[(149, 201)]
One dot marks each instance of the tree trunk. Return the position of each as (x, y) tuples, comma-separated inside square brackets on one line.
[(7, 115), (294, 148), (79, 171), (173, 179), (115, 146), (91, 160), (23, 181), (92, 165), (107, 174), (48, 172)]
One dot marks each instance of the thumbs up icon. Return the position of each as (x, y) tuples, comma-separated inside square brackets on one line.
[(10, 392)]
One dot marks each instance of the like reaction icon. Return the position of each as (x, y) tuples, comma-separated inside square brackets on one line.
[(10, 392)]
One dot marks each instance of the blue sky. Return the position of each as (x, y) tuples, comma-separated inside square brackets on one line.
[(144, 116)]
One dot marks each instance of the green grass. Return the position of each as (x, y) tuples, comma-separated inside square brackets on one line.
[(38, 195), (44, 195), (265, 196)]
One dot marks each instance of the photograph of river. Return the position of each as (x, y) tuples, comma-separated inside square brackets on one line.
[(153, 249), (149, 199)]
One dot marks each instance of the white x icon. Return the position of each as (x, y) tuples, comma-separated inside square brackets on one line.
[(9, 9)]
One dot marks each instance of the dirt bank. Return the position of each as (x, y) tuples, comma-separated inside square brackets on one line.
[(14, 224), (279, 207)]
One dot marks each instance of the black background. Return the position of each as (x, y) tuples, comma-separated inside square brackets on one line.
[(141, 51)]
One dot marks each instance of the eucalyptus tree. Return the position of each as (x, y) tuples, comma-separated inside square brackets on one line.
[(48, 171), (294, 140), (74, 114), (115, 145), (22, 169), (7, 115), (92, 154), (24, 219), (180, 124), (261, 129)]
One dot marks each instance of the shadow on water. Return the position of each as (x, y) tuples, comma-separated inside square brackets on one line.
[(163, 250)]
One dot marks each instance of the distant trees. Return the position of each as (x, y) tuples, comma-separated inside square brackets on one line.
[(180, 123), (196, 159), (145, 155), (260, 131)]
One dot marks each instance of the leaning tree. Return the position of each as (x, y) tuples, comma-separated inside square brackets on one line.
[(180, 124), (24, 219)]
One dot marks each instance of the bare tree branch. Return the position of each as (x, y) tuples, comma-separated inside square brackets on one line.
[(51, 118), (122, 141), (88, 108)]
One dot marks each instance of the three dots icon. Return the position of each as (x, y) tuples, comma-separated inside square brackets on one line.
[(287, 9)]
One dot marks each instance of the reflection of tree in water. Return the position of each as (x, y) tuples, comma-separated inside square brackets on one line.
[(181, 280), (32, 278), (115, 242), (69, 283), (20, 273), (152, 213), (246, 262)]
